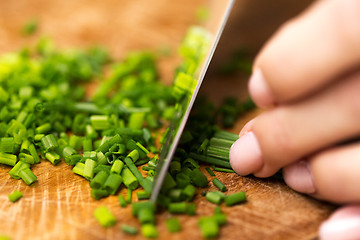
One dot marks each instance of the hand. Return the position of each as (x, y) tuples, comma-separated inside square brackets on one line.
[(308, 76)]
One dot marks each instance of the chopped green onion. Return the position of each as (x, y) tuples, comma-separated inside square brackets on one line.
[(214, 197), (15, 195), (122, 201), (211, 173), (8, 159), (27, 176), (99, 180), (130, 181), (189, 191), (149, 231), (129, 229), (128, 195), (113, 183), (235, 198), (173, 225), (219, 185), (180, 207), (105, 218), (14, 172), (209, 227), (198, 178), (117, 167), (89, 169), (146, 215)]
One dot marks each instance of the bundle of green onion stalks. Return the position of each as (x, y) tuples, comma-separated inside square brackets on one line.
[(112, 138)]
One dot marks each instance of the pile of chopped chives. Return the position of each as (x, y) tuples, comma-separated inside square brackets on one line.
[(113, 133)]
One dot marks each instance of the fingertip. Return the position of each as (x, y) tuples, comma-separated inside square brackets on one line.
[(245, 154), (344, 224), (298, 176), (259, 90)]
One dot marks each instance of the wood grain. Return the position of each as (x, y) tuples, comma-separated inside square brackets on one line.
[(59, 205)]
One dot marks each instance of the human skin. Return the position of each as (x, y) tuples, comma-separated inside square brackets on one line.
[(307, 77)]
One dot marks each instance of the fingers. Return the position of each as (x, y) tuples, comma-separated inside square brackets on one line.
[(344, 224), (291, 132), (331, 175), (308, 53)]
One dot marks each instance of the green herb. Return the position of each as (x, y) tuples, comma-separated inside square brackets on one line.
[(105, 218), (173, 225), (235, 198), (219, 185), (15, 195), (129, 229)]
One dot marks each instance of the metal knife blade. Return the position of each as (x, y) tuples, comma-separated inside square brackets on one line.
[(216, 24)]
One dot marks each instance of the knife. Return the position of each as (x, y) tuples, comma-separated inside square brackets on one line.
[(216, 24)]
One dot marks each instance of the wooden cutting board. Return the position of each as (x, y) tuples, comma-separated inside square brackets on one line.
[(59, 205)]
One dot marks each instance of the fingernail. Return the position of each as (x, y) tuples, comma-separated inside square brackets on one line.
[(245, 154), (259, 90), (344, 228), (298, 176)]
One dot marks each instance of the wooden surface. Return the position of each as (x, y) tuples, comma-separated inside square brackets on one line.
[(59, 205)]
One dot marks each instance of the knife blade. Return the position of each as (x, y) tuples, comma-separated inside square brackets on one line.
[(215, 27)]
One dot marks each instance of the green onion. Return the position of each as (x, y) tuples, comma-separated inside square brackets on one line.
[(8, 159), (15, 195), (79, 168), (49, 142), (53, 157), (136, 206), (89, 169), (173, 225), (99, 193), (209, 227), (122, 201), (117, 167), (128, 195), (211, 173), (146, 215), (219, 185), (99, 180), (27, 176), (189, 191), (100, 122), (143, 195), (105, 218), (113, 183), (129, 229), (130, 181), (218, 169), (180, 207), (198, 178), (149, 231), (235, 198), (214, 197), (191, 210), (14, 172), (210, 160)]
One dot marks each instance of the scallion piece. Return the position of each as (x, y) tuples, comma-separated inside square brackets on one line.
[(49, 142), (8, 159), (14, 172), (143, 195), (219, 185), (209, 227), (122, 201), (129, 229), (99, 180), (214, 197), (235, 198), (173, 225), (211, 173), (146, 215), (219, 169), (149, 231), (176, 208), (79, 168), (130, 181), (113, 183), (128, 196), (100, 122), (198, 178), (53, 157), (27, 176), (117, 167), (189, 191), (99, 193), (103, 215), (15, 195)]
